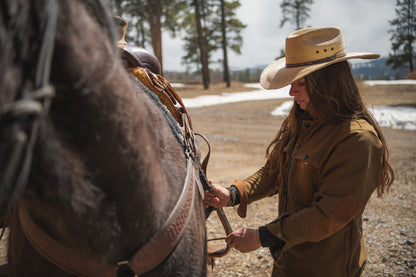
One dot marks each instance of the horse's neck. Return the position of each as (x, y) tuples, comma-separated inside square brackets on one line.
[(121, 164), (110, 166)]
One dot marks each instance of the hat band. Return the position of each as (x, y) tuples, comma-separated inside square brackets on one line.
[(323, 60)]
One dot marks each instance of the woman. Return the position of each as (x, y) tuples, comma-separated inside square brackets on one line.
[(325, 162)]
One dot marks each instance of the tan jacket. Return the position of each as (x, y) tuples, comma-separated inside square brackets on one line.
[(334, 170)]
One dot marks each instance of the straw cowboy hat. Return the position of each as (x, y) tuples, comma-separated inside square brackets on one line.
[(308, 50)]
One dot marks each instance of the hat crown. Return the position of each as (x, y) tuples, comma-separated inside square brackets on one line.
[(314, 45), (308, 50)]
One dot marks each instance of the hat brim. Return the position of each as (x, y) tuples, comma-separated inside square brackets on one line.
[(276, 75)]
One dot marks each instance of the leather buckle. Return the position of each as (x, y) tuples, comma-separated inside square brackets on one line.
[(124, 270)]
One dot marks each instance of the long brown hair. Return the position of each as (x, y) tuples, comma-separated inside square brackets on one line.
[(334, 97)]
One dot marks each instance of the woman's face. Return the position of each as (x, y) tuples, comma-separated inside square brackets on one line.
[(298, 90)]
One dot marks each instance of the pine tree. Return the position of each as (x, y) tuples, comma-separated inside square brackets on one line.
[(202, 41), (403, 35), (146, 18), (295, 11), (230, 36), (211, 27)]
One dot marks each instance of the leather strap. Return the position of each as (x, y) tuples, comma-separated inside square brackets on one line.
[(216, 250), (163, 242), (204, 164), (59, 254), (339, 54), (145, 259), (23, 132)]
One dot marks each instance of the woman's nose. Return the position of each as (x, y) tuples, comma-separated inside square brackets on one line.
[(292, 90)]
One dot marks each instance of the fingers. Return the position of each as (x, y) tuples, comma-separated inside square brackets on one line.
[(244, 240), (233, 238), (210, 200), (231, 241), (217, 198)]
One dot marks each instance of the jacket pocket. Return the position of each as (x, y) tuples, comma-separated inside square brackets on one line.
[(304, 180)]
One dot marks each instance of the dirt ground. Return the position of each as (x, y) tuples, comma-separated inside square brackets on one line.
[(239, 134)]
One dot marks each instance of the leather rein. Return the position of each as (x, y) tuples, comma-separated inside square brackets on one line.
[(22, 117)]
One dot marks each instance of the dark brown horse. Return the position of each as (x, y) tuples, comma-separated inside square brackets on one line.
[(107, 166)]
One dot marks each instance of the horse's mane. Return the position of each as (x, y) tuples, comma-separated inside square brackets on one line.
[(22, 26), (54, 161)]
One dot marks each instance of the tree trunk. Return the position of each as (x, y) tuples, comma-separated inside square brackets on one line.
[(154, 8), (411, 67), (117, 4), (224, 46), (410, 39), (202, 46)]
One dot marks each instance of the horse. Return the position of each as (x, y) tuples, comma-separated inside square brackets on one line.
[(96, 177)]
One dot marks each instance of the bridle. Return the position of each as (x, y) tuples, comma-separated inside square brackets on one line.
[(16, 171), (22, 117)]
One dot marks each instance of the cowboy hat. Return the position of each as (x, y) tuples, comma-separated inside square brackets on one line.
[(308, 50)]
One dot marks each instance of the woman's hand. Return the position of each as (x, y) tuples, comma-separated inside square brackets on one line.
[(244, 240), (218, 198)]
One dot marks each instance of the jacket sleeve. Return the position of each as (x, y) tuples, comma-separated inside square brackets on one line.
[(347, 180), (253, 188)]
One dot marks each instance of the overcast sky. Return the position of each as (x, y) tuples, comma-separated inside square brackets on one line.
[(365, 25)]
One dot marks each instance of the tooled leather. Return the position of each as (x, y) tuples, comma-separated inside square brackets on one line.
[(140, 73), (164, 91), (163, 243)]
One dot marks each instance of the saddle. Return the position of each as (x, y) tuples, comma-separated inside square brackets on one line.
[(134, 56)]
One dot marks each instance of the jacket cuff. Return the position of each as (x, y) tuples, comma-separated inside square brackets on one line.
[(275, 228), (267, 239), (242, 208)]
